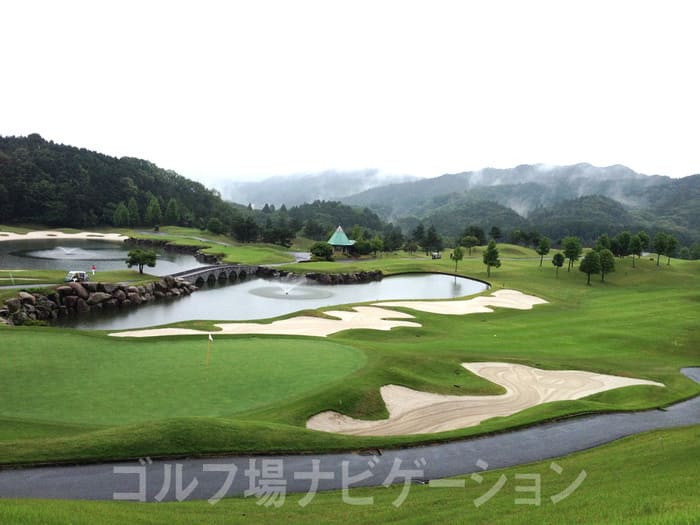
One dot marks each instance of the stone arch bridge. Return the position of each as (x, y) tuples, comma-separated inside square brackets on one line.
[(218, 272)]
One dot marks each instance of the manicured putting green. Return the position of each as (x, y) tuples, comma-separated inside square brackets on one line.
[(95, 380)]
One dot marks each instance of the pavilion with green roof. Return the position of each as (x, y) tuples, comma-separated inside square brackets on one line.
[(340, 241)]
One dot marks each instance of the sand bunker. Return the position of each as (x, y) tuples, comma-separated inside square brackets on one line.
[(414, 412), (367, 317), (10, 236), (481, 304)]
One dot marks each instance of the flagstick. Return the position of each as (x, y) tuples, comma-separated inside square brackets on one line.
[(208, 351)]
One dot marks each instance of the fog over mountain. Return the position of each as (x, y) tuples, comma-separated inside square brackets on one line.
[(306, 187), (523, 188), (538, 196)]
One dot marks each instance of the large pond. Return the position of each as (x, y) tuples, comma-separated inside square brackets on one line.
[(253, 299), (62, 254), (260, 299)]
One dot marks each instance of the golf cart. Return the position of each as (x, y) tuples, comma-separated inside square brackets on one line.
[(76, 277)]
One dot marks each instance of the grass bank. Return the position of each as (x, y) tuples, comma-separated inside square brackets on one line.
[(648, 479)]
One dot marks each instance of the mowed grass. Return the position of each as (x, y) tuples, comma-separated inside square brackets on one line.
[(649, 479), (27, 277), (66, 378), (641, 323), (226, 247)]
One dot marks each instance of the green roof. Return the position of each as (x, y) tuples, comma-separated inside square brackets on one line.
[(339, 238)]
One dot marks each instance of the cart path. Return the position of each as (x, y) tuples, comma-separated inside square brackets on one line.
[(550, 440)]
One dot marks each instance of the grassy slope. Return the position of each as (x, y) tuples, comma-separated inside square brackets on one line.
[(650, 479), (605, 327), (88, 380), (226, 247)]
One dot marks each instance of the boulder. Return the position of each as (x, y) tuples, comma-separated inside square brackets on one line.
[(107, 287), (79, 290), (43, 313), (65, 290), (26, 298), (81, 306), (91, 287), (13, 305), (70, 301), (98, 297), (119, 295), (134, 297), (49, 304), (19, 318), (110, 304)]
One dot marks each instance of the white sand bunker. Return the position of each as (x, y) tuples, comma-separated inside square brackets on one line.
[(367, 317), (481, 304), (10, 236), (413, 412)]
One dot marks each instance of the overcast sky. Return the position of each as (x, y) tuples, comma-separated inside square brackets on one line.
[(243, 90)]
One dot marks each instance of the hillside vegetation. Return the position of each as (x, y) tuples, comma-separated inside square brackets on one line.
[(581, 200)]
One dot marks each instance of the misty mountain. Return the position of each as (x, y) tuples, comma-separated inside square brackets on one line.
[(297, 189), (451, 219), (523, 188), (580, 199), (587, 217)]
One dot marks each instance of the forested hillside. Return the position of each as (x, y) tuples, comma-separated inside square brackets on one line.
[(47, 183), (42, 182), (581, 200)]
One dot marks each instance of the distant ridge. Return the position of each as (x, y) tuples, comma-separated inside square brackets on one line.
[(535, 193), (297, 189)]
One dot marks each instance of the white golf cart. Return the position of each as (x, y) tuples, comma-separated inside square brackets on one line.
[(76, 277)]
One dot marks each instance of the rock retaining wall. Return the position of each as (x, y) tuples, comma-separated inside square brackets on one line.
[(81, 298), (346, 278), (92, 297)]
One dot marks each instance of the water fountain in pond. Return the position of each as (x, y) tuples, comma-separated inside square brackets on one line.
[(298, 290), (69, 253)]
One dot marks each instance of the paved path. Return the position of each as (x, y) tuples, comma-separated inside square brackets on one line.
[(101, 482)]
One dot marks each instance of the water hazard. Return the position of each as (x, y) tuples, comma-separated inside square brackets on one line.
[(260, 299), (64, 254)]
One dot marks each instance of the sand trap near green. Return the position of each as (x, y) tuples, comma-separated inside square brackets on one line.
[(50, 234), (478, 305), (361, 317), (413, 412)]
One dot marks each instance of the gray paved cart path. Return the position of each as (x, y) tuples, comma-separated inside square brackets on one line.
[(137, 481)]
